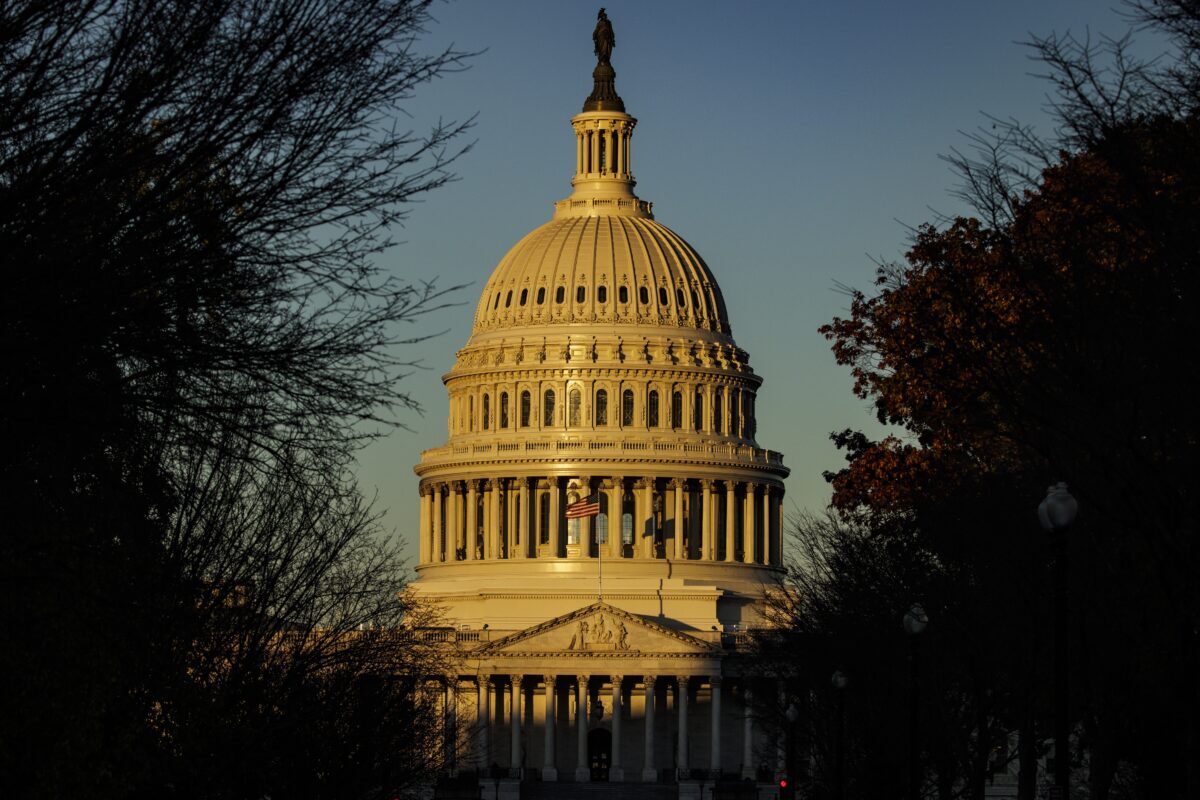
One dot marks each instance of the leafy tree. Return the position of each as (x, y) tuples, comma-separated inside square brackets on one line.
[(196, 340), (1045, 340)]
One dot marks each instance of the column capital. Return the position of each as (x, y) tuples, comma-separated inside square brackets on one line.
[(424, 489), (650, 680), (715, 681), (616, 679), (582, 679), (708, 484), (644, 483), (585, 481), (683, 680), (549, 679), (483, 678), (516, 679), (554, 480), (752, 487), (493, 483), (677, 483), (524, 482), (607, 484), (455, 487)]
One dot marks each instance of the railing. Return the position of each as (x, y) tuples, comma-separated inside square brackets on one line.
[(667, 449)]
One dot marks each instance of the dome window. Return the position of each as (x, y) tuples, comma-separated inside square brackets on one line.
[(602, 295), (623, 294), (548, 408), (470, 413), (652, 409), (496, 304), (698, 411), (601, 407), (544, 513), (504, 409), (526, 403), (541, 296), (508, 299), (627, 407), (524, 296), (560, 294), (487, 412), (574, 409), (676, 410), (580, 294), (680, 299), (643, 295), (664, 299), (717, 410), (696, 302)]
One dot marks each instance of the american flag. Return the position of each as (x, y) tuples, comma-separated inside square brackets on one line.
[(584, 507)]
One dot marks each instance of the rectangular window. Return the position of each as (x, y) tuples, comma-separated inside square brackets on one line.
[(573, 526), (602, 528), (627, 529)]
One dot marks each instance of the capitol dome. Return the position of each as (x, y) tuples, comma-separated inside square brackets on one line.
[(601, 364), (600, 527)]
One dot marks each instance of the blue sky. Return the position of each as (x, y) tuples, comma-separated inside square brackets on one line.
[(790, 142)]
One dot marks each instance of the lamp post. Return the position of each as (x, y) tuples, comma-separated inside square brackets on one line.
[(1057, 513), (840, 681), (789, 791), (915, 622)]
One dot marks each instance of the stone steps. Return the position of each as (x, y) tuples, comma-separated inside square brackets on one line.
[(599, 791)]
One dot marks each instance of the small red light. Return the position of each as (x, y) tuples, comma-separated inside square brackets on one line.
[(783, 784)]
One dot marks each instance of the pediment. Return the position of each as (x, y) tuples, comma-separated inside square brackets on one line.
[(599, 629)]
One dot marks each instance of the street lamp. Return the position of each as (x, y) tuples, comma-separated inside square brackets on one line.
[(915, 623), (840, 681), (1057, 513)]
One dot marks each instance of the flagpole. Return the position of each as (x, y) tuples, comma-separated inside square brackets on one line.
[(599, 568)]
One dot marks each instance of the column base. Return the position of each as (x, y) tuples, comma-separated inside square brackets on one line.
[(549, 774), (649, 775), (690, 790), (583, 774), (616, 774), (510, 789)]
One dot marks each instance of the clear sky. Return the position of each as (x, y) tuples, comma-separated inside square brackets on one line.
[(790, 142)]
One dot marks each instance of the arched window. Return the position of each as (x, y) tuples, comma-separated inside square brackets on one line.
[(525, 409), (751, 421), (601, 407), (602, 295), (560, 294), (508, 299), (627, 519), (676, 410), (544, 516), (623, 294), (548, 409), (580, 294), (602, 520), (696, 302), (541, 297), (487, 412), (717, 410), (574, 408), (627, 407), (680, 299), (504, 409), (664, 299), (735, 402), (471, 413), (698, 411), (652, 409), (496, 304), (524, 296), (643, 295)]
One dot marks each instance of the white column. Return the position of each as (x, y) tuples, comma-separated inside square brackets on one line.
[(452, 524), (766, 522), (777, 521), (595, 165), (483, 720), (492, 534), (616, 772), (678, 485), (643, 544), (555, 522), (585, 524), (583, 771), (438, 548), (749, 555), (426, 529), (682, 705), (523, 534), (730, 520), (707, 546), (514, 716), (614, 489), (472, 519), (748, 770), (549, 763), (649, 770), (715, 683)]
